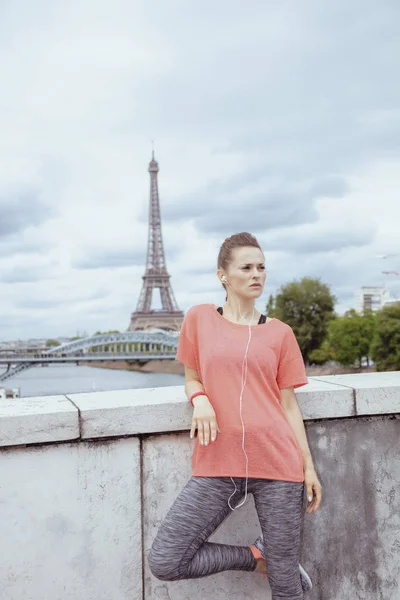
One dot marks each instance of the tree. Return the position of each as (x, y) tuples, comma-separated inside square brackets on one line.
[(321, 355), (368, 329), (105, 332), (350, 336), (308, 307), (385, 349), (270, 310), (52, 344)]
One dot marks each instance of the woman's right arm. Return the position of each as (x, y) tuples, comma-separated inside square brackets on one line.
[(204, 418)]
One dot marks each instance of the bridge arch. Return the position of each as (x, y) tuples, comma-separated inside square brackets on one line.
[(139, 345)]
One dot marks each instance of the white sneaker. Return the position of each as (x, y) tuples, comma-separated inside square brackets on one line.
[(306, 582)]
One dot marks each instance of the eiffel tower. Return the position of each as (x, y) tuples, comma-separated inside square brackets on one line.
[(156, 275)]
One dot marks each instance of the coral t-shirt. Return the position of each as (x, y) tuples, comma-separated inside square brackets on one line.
[(215, 348)]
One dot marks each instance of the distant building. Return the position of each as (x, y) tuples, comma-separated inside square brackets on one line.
[(9, 393), (373, 298)]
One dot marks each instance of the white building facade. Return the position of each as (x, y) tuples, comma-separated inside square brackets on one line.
[(373, 297)]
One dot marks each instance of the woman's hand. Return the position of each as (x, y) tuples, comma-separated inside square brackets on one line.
[(204, 420), (314, 489)]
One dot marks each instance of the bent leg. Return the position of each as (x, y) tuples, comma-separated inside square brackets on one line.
[(180, 550), (279, 506)]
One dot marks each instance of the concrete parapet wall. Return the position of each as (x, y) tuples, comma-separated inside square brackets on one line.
[(86, 480)]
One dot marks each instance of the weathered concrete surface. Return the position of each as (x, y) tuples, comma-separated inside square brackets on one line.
[(70, 524), (37, 420), (351, 546), (154, 410), (71, 513), (129, 412), (375, 393), (167, 468), (325, 400)]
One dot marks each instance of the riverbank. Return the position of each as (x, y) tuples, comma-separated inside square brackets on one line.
[(152, 366), (176, 368)]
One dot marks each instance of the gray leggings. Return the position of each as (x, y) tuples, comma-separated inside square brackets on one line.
[(180, 549)]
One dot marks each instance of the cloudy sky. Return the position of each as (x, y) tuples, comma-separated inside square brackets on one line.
[(278, 118)]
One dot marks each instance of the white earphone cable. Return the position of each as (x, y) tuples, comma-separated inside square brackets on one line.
[(244, 379)]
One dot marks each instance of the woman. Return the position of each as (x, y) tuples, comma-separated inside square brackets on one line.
[(241, 369)]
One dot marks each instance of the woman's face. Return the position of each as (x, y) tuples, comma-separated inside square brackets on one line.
[(247, 268)]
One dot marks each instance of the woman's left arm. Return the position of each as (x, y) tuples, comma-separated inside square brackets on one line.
[(292, 410)]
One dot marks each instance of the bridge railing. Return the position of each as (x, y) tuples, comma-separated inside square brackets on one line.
[(156, 338), (81, 356)]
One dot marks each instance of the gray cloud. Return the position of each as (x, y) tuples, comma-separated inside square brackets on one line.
[(27, 274), (297, 83), (305, 106), (279, 111), (19, 211), (101, 258), (329, 187), (259, 213), (15, 245), (114, 258), (71, 298), (318, 240), (227, 206), (12, 322)]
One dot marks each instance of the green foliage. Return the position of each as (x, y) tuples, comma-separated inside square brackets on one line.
[(350, 336), (107, 347), (270, 310), (321, 355), (74, 338), (308, 307), (52, 344), (385, 349), (105, 332)]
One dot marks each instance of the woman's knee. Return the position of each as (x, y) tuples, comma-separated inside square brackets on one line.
[(157, 566), (161, 566)]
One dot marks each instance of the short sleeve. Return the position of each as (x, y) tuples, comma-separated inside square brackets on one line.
[(291, 369), (187, 346)]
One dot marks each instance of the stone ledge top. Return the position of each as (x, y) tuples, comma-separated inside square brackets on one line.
[(375, 393), (37, 420), (160, 410), (122, 398), (364, 380)]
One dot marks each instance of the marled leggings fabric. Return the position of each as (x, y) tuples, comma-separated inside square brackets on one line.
[(180, 549)]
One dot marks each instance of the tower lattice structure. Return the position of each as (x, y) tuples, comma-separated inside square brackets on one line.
[(156, 275)]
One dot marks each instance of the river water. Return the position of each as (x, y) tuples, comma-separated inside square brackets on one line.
[(69, 379)]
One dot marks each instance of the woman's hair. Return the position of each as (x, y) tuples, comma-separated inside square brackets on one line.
[(238, 240)]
